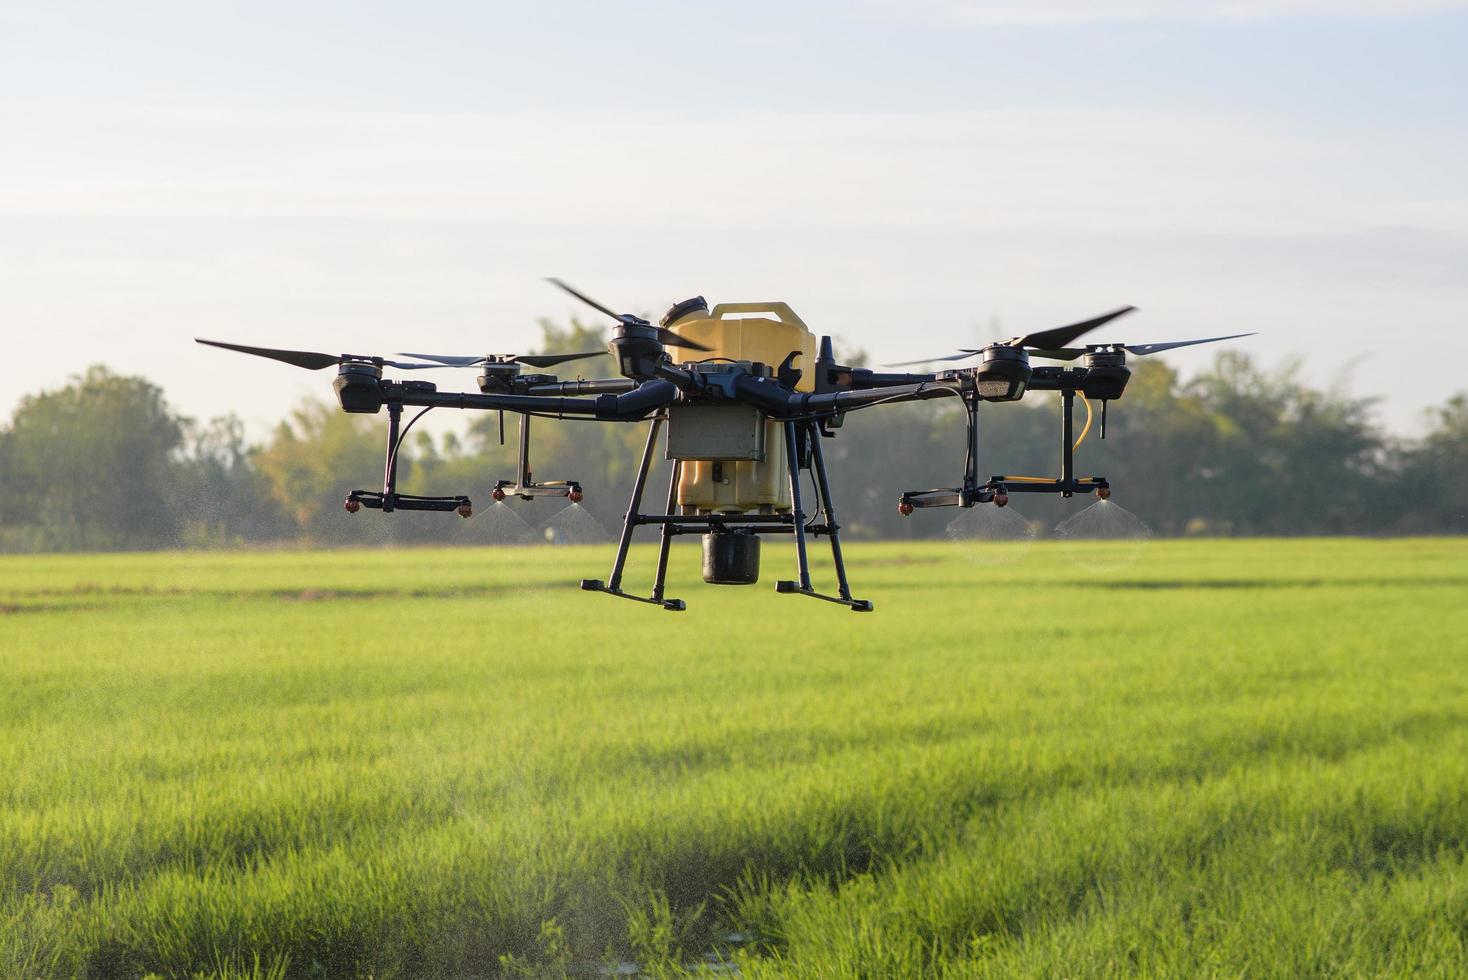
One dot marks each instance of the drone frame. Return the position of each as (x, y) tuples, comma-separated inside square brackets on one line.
[(651, 383)]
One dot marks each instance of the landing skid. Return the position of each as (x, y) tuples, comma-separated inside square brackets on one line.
[(787, 587), (803, 451), (596, 585)]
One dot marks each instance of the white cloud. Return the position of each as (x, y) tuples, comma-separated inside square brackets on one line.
[(343, 231), (1073, 12), (1126, 171)]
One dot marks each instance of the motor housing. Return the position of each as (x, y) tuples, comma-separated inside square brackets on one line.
[(358, 387), (1003, 373), (1106, 374)]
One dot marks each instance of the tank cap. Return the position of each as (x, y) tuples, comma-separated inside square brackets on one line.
[(686, 308)]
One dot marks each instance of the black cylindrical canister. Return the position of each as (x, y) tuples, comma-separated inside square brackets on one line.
[(730, 558)]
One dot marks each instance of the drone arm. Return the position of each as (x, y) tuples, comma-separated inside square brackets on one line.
[(844, 401), (604, 386), (774, 399), (862, 379), (636, 404), (630, 406), (1051, 378)]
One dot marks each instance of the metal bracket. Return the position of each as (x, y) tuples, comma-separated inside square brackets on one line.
[(389, 502), (555, 488), (524, 485)]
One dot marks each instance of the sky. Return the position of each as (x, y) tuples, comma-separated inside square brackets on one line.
[(910, 176)]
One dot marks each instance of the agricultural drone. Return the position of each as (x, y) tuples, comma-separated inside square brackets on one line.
[(747, 403)]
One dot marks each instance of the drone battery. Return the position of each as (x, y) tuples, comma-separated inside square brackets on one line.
[(722, 432), (730, 558)]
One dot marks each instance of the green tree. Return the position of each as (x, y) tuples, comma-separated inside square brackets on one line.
[(104, 463), (1161, 453), (1292, 460), (219, 496), (1430, 480), (314, 458), (88, 466)]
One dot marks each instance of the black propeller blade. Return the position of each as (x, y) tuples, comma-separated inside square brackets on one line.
[(666, 337), (550, 360), (1060, 353), (447, 360), (567, 287), (310, 360), (1060, 336), (930, 360), (1056, 337), (1141, 350), (534, 360)]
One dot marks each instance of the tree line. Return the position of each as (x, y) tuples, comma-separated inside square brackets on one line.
[(105, 463)]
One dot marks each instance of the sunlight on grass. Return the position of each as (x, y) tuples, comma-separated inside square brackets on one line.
[(1228, 757)]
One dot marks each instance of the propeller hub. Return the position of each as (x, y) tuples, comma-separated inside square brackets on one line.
[(500, 368), (360, 369), (1104, 356)]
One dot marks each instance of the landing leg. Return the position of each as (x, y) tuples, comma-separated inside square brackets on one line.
[(792, 456), (833, 530), (803, 585), (613, 585), (666, 539)]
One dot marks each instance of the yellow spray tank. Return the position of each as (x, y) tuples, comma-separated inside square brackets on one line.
[(739, 470)]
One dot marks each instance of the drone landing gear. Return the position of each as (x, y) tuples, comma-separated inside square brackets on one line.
[(787, 587), (803, 442), (613, 584), (803, 452), (596, 585)]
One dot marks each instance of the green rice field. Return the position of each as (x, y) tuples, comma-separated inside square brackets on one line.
[(1207, 758)]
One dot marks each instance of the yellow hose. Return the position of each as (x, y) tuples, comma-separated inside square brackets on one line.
[(1086, 428)]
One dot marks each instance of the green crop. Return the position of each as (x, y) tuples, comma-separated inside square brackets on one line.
[(1228, 758)]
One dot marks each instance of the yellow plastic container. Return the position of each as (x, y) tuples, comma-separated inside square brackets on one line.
[(764, 332)]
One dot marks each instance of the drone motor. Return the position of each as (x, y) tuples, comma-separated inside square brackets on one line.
[(1106, 373), (358, 387), (1003, 373)]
